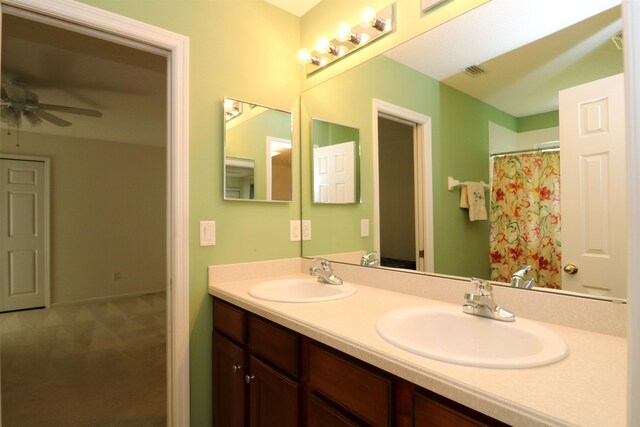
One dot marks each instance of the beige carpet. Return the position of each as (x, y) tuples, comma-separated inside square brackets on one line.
[(97, 364)]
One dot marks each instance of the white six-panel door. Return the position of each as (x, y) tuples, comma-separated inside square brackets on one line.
[(593, 187), (23, 240), (334, 173)]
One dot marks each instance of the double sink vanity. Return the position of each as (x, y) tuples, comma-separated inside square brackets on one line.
[(385, 348)]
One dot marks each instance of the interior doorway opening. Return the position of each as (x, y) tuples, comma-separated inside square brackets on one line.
[(174, 47), (403, 215)]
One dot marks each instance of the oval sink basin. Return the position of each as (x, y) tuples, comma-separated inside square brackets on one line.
[(449, 335), (300, 290)]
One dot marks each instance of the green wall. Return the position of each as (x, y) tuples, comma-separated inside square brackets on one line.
[(539, 121), (460, 148)]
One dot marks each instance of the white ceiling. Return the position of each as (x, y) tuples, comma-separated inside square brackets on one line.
[(484, 35), (64, 67), (295, 7)]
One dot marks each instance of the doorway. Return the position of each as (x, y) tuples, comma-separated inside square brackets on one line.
[(109, 26), (403, 215)]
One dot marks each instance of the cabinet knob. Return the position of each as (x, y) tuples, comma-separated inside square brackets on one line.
[(248, 378), (236, 368)]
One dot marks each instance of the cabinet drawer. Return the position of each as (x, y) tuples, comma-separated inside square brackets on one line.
[(430, 409), (277, 345), (229, 320), (322, 414), (355, 387)]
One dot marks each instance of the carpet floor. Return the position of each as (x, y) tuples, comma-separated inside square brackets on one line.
[(90, 365)]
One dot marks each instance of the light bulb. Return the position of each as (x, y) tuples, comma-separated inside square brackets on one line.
[(364, 38), (303, 56), (344, 32), (368, 17), (322, 45)]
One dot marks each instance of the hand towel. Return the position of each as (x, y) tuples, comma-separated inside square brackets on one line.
[(475, 200), (464, 198)]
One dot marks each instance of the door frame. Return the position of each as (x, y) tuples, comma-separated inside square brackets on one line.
[(47, 216), (104, 24), (422, 140), (269, 163)]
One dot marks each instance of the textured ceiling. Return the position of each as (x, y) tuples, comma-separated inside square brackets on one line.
[(64, 67)]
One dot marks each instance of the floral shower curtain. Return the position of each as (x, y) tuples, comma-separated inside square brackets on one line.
[(525, 217)]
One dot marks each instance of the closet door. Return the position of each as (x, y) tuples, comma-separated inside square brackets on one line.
[(23, 240)]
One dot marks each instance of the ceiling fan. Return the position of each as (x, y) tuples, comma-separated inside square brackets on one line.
[(17, 102)]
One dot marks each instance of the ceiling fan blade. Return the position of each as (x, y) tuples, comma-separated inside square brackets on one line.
[(14, 91), (73, 110), (50, 118)]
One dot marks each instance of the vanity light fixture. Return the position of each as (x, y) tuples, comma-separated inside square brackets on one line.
[(232, 108), (347, 39)]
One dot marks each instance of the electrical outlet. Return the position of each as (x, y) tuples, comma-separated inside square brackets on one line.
[(306, 229), (364, 228), (294, 230), (115, 276)]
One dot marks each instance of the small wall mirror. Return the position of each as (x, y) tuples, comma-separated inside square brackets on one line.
[(336, 163), (257, 152)]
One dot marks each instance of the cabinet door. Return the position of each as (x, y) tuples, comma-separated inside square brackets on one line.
[(228, 382), (274, 399)]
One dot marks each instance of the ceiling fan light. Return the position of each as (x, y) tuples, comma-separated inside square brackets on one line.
[(32, 118)]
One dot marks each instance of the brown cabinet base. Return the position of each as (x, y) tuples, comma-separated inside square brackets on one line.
[(294, 381)]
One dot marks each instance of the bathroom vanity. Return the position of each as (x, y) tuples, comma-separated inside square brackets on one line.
[(323, 363), (274, 376)]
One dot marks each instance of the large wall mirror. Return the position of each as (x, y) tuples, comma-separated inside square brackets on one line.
[(257, 152), (491, 105)]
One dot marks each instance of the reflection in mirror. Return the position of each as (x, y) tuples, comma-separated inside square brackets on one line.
[(486, 127), (336, 163), (257, 152)]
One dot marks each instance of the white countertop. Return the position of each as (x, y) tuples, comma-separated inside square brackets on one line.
[(588, 388)]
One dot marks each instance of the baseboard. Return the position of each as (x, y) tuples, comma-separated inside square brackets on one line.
[(107, 298)]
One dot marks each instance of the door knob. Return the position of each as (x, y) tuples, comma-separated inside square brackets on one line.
[(570, 268), (236, 368), (248, 378)]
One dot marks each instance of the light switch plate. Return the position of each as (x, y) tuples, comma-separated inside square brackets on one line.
[(207, 233), (364, 227), (294, 230), (306, 229)]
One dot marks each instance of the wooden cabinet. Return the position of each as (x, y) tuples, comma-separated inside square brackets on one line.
[(361, 390), (255, 370), (274, 398), (267, 375), (228, 385), (430, 409)]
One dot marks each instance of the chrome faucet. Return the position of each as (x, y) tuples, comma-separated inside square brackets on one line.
[(369, 260), (481, 303), (325, 272), (518, 280)]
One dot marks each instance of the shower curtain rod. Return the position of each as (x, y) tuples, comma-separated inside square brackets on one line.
[(528, 150)]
